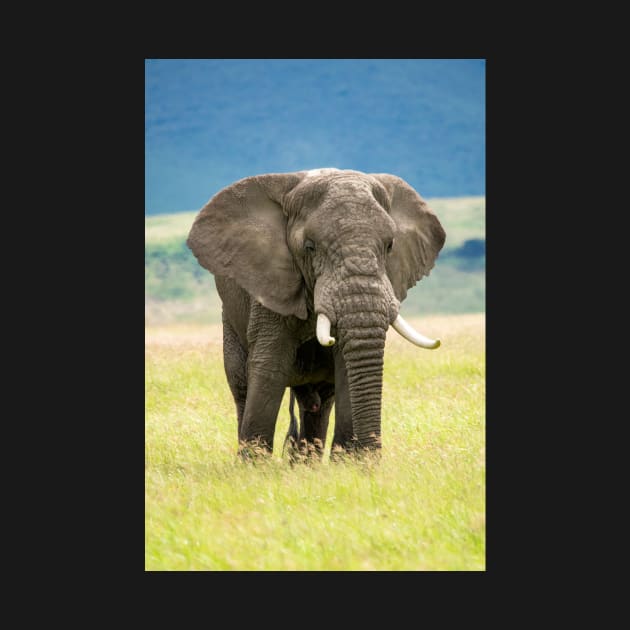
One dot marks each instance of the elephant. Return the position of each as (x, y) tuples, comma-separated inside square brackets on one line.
[(309, 397), (311, 267)]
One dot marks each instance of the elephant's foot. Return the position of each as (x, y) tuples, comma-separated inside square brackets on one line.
[(304, 452), (353, 452), (253, 451)]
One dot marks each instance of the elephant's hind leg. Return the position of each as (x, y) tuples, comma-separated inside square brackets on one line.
[(315, 408), (235, 364)]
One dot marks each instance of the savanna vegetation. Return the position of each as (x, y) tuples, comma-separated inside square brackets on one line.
[(421, 508)]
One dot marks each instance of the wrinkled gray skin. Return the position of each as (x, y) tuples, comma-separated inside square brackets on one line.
[(286, 247)]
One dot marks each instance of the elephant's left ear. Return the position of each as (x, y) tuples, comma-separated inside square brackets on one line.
[(419, 235), (241, 233)]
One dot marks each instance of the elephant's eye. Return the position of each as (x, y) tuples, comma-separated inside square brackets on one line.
[(309, 246), (389, 246)]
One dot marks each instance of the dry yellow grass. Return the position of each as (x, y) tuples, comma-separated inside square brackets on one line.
[(449, 328), (421, 509)]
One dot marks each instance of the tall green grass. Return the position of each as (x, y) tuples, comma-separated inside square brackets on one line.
[(422, 508)]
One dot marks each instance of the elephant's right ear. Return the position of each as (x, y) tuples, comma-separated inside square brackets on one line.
[(419, 235), (241, 233)]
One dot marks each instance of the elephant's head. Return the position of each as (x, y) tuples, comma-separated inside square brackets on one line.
[(340, 244)]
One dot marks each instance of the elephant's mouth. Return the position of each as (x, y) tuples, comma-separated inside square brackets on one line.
[(401, 326)]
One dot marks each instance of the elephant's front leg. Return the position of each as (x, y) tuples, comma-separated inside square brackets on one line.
[(264, 396), (269, 362)]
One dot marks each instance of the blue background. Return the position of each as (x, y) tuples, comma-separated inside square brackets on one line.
[(210, 122)]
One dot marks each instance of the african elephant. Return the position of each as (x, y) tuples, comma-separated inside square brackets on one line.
[(311, 267)]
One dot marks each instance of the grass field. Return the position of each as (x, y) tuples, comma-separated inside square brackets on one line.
[(421, 509)]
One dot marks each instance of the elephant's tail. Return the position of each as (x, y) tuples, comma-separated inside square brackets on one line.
[(292, 433)]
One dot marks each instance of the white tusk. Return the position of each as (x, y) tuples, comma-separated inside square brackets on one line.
[(404, 329), (323, 331)]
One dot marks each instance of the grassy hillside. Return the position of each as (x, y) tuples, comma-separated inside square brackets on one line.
[(421, 509), (177, 289)]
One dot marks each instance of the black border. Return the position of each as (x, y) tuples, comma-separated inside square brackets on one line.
[(103, 320)]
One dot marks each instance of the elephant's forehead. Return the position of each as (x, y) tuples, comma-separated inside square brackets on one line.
[(332, 182), (333, 194), (349, 210)]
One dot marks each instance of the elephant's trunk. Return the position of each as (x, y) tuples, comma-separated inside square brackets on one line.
[(362, 342)]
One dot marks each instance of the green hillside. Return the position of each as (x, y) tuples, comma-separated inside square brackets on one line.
[(177, 289)]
